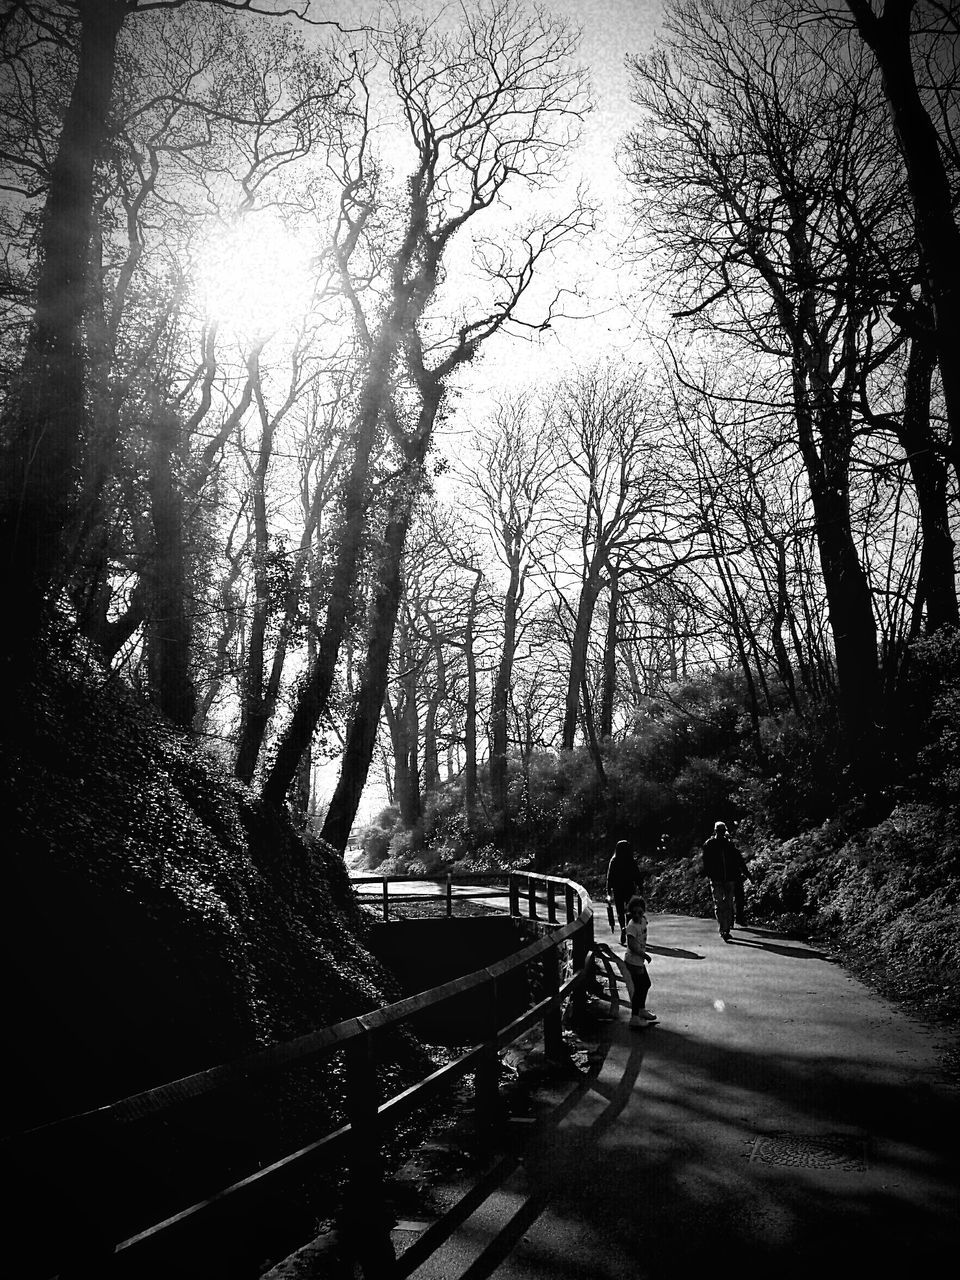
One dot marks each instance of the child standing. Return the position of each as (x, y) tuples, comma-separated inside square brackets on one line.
[(637, 957)]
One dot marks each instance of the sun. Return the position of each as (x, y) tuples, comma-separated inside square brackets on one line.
[(255, 277)]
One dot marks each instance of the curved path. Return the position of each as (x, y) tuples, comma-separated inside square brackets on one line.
[(781, 1121)]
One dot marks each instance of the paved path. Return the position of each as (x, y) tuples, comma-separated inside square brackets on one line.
[(780, 1121)]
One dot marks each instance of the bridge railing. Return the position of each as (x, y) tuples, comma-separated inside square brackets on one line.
[(523, 893), (556, 965)]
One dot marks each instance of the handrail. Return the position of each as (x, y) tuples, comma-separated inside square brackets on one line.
[(356, 1038), (449, 879)]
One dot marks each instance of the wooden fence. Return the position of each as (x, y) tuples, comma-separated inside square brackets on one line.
[(556, 964), (537, 897)]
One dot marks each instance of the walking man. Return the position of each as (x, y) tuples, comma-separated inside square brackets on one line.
[(724, 867)]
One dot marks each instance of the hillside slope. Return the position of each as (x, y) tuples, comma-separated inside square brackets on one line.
[(158, 920)]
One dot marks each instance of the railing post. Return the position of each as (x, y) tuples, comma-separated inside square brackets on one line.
[(386, 898), (553, 1018), (568, 898), (514, 885), (531, 897), (449, 895), (582, 949), (551, 902), (365, 1222), (486, 1080)]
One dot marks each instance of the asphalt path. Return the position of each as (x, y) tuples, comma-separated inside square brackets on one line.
[(781, 1120)]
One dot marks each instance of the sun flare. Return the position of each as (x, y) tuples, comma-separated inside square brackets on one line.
[(254, 278)]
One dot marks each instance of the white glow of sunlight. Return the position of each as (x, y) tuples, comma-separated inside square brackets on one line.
[(254, 278)]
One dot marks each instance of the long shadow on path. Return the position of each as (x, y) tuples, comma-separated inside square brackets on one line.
[(782, 949), (664, 1179), (676, 952)]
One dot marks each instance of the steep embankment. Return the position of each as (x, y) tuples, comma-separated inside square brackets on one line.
[(158, 919)]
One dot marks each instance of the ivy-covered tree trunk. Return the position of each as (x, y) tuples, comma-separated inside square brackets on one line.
[(362, 731), (255, 710), (45, 421), (314, 692), (168, 630), (403, 722)]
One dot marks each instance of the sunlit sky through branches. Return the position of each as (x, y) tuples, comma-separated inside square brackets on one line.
[(255, 276), (255, 272), (600, 314)]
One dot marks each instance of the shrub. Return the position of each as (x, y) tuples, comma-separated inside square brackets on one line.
[(375, 838)]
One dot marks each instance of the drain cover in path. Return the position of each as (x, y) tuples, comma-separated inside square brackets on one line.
[(826, 1151)]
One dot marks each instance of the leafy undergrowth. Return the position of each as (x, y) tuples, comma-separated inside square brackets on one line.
[(888, 897), (158, 921)]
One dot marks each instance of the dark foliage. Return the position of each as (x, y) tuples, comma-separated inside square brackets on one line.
[(158, 921)]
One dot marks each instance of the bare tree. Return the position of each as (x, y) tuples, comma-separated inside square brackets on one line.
[(757, 136), (512, 478), (612, 501), (490, 103)]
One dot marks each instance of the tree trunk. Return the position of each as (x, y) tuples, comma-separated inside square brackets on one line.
[(781, 601), (315, 689), (411, 716), (938, 236), (46, 416), (734, 613), (254, 711), (637, 688), (400, 742), (470, 782), (936, 585), (362, 732), (501, 695), (303, 790), (230, 610), (610, 658), (590, 732), (849, 604), (255, 729), (589, 593), (673, 657), (431, 750), (168, 615), (404, 724)]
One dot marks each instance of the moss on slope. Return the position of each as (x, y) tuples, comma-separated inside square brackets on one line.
[(158, 919)]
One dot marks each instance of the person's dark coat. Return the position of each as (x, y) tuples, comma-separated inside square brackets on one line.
[(722, 859), (623, 875)]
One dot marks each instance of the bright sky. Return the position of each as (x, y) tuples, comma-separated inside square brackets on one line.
[(611, 29)]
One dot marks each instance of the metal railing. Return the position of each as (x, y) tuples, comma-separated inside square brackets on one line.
[(354, 1146)]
